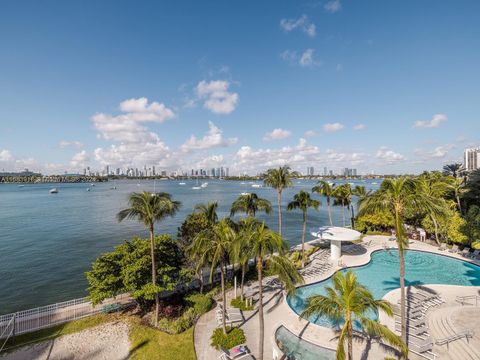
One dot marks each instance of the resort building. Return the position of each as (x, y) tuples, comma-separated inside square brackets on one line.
[(472, 158)]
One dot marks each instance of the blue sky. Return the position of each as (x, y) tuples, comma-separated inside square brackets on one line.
[(389, 86)]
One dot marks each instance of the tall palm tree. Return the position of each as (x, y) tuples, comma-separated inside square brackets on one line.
[(434, 187), (149, 208), (303, 201), (209, 210), (455, 169), (215, 244), (279, 179), (352, 303), (397, 197), (263, 244), (250, 204), (457, 187), (361, 193), (323, 188), (343, 196)]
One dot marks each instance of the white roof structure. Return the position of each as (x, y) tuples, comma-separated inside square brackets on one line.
[(336, 235)]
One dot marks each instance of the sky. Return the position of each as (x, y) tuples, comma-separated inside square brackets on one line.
[(386, 86)]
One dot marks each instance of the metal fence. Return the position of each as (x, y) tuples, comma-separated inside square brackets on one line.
[(46, 316)]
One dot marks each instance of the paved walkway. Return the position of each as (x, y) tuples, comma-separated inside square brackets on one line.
[(277, 312)]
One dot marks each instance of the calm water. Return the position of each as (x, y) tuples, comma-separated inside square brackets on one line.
[(48, 241), (380, 276)]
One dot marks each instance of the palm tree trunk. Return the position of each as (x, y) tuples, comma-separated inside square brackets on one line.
[(402, 296), (154, 272), (201, 281), (303, 237), (260, 307), (459, 204), (279, 203), (329, 211), (224, 297), (343, 213), (350, 339), (436, 229), (242, 281)]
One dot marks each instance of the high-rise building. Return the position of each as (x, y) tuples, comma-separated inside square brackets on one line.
[(472, 159), (325, 171), (310, 171)]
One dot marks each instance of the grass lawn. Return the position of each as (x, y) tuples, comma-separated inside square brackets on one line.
[(148, 343), (145, 343)]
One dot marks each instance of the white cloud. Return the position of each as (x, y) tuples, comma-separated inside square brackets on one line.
[(212, 139), (216, 96), (332, 127), (435, 122), (302, 23), (5, 156), (305, 59), (310, 133), (277, 134), (140, 110), (333, 6), (74, 144), (211, 161), (389, 156), (80, 159), (359, 127)]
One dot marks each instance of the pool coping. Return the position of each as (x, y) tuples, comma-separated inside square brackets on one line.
[(470, 261)]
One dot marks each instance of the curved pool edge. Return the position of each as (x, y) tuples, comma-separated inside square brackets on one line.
[(368, 260)]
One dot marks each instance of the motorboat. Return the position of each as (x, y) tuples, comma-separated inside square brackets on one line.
[(53, 191), (257, 186), (182, 183), (245, 193), (204, 185), (196, 188)]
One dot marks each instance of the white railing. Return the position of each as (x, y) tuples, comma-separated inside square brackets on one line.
[(46, 316)]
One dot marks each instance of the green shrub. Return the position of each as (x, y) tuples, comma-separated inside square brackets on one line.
[(201, 303), (240, 304), (235, 336), (179, 325)]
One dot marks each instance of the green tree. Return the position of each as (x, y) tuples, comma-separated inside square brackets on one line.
[(457, 188), (472, 224), (303, 201), (472, 194), (343, 196), (263, 244), (126, 269), (323, 188), (352, 303), (215, 244), (397, 196), (148, 209), (209, 211), (279, 179), (455, 169), (250, 204)]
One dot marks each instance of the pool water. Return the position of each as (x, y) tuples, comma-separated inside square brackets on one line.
[(381, 275), (298, 349)]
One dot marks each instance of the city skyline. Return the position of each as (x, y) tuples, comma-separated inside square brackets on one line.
[(258, 86)]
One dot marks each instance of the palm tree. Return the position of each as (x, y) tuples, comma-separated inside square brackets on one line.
[(250, 204), (263, 244), (433, 187), (397, 197), (343, 196), (303, 201), (323, 188), (457, 186), (209, 210), (351, 302), (361, 193), (215, 245), (279, 179), (149, 208), (455, 169)]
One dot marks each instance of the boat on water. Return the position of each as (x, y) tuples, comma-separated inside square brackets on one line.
[(245, 193), (21, 185), (88, 189), (257, 185), (374, 183), (196, 187), (242, 183), (182, 183), (204, 185), (53, 191)]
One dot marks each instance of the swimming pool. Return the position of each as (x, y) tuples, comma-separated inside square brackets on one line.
[(381, 275)]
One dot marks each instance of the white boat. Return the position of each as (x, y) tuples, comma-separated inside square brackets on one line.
[(88, 189), (374, 183), (242, 183), (53, 191), (257, 186), (182, 183), (204, 185), (245, 193), (196, 188), (21, 185)]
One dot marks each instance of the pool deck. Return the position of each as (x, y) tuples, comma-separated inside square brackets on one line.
[(278, 312)]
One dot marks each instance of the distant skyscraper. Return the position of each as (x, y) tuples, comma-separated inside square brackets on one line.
[(472, 159), (310, 171), (325, 171), (153, 170)]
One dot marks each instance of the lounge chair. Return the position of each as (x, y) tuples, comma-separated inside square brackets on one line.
[(454, 249), (465, 252), (475, 254), (230, 354), (412, 330), (224, 356), (443, 247), (420, 345)]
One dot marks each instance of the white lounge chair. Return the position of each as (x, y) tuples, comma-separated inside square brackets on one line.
[(454, 249), (443, 247), (420, 345), (465, 252)]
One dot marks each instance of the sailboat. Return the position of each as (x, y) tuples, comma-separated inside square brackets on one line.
[(196, 187), (53, 191)]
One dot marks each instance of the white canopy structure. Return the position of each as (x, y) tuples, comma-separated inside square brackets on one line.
[(336, 235)]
